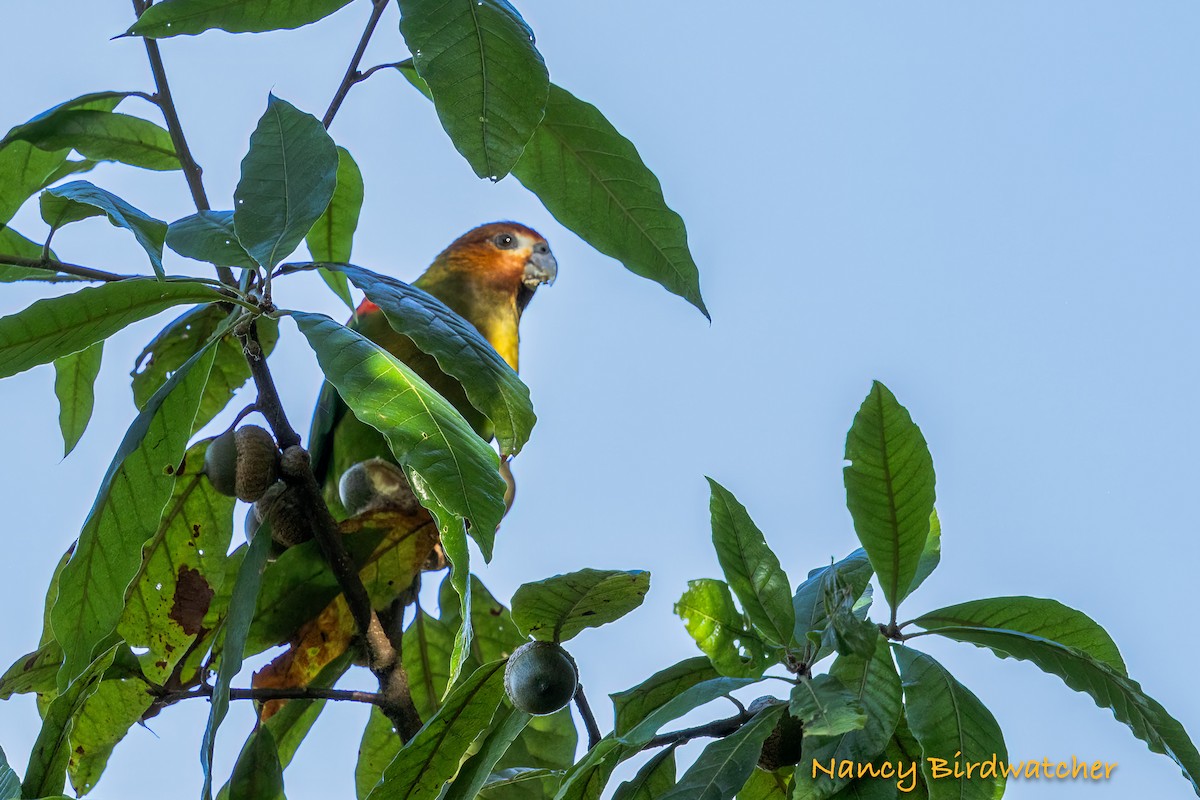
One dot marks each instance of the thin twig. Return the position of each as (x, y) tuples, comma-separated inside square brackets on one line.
[(53, 265), (395, 698), (589, 719), (274, 693), (718, 728), (352, 75), (166, 103)]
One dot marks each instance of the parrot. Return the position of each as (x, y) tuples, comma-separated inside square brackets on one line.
[(488, 277)]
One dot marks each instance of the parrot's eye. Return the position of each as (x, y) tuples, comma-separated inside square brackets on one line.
[(505, 241)]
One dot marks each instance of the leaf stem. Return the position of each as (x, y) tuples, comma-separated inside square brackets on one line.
[(166, 104), (274, 693), (589, 719), (715, 729), (352, 75)]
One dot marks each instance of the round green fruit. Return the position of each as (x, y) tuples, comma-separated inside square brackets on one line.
[(375, 483), (242, 463), (540, 678)]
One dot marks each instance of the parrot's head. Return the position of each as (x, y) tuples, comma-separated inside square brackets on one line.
[(499, 260)]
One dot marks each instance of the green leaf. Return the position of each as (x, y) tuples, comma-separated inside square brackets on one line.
[(889, 490), (454, 544), (292, 723), (288, 178), (592, 180), (947, 719), (257, 775), (332, 237), (826, 707), (379, 745), (723, 767), (10, 784), (853, 572), (427, 644), (452, 471), (487, 79), (46, 773), (460, 349), (103, 720), (752, 570), (23, 170), (931, 555), (75, 386), (105, 136), (49, 119), (182, 567), (653, 780), (33, 672), (149, 232), (686, 700), (208, 236), (1034, 616), (237, 625), (189, 17), (557, 609), (432, 757), (126, 512), (763, 785), (180, 340), (1109, 687), (876, 687), (720, 630), (521, 783), (633, 705), (14, 244), (507, 726), (587, 779)]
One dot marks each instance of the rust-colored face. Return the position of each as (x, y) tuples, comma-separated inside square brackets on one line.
[(504, 256)]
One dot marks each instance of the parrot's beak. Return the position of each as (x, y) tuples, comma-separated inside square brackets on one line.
[(540, 268)]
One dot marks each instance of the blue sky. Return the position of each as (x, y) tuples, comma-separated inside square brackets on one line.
[(990, 207)]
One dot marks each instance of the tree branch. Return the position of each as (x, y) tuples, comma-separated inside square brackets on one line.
[(273, 693), (352, 75), (715, 729), (589, 719), (395, 699), (52, 265), (166, 103)]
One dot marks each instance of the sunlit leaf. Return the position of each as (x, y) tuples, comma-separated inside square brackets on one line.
[(182, 567), (826, 706), (125, 515), (635, 704), (507, 726), (103, 720), (460, 349), (720, 630)]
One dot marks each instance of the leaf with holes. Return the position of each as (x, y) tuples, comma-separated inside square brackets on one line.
[(557, 609)]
